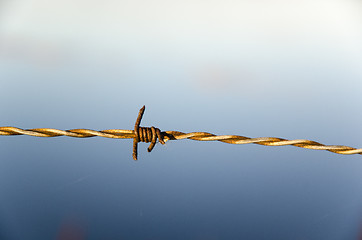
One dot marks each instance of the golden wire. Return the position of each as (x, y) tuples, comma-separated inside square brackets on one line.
[(176, 135)]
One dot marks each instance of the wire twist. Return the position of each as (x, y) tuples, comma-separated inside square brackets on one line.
[(152, 134)]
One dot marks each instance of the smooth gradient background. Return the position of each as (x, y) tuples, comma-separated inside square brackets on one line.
[(290, 69)]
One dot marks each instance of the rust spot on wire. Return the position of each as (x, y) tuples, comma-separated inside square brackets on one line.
[(145, 134)]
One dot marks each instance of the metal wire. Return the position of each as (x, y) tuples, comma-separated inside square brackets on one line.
[(141, 134), (144, 134)]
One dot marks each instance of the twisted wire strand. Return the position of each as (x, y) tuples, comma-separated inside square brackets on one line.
[(176, 135)]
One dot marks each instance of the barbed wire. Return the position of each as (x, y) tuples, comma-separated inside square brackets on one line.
[(144, 134)]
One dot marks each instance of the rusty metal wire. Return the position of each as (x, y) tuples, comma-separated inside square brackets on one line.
[(143, 134)]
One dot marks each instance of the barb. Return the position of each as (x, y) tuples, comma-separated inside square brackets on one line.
[(145, 134)]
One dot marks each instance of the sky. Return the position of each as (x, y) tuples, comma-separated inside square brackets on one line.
[(290, 69)]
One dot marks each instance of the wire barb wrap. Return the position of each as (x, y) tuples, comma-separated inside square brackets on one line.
[(152, 134), (145, 134)]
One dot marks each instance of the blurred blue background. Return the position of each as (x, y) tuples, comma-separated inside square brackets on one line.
[(290, 69)]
